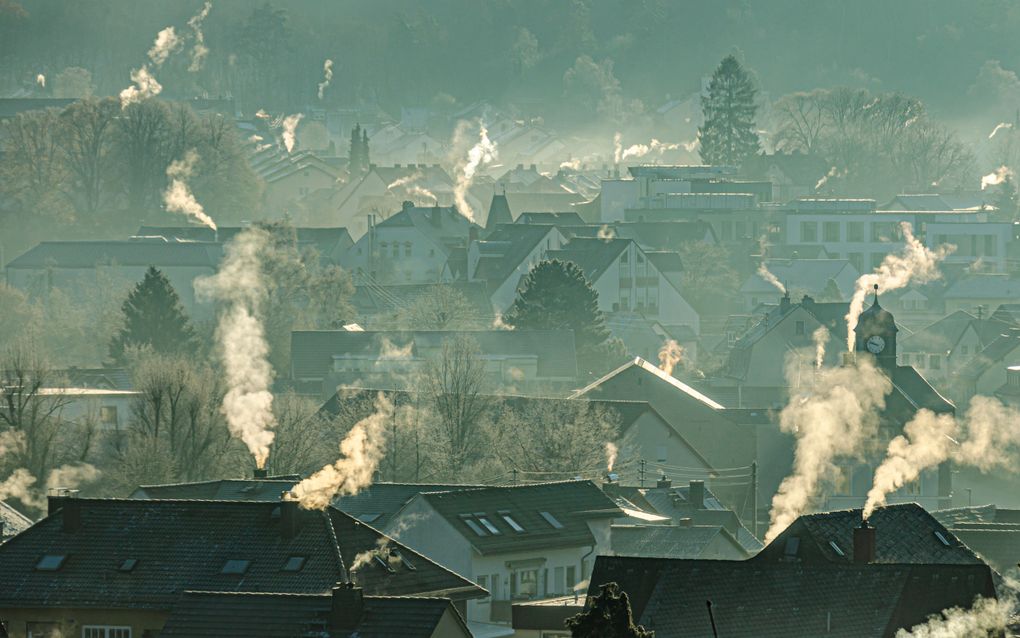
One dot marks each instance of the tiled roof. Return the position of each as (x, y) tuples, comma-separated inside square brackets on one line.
[(12, 521), (648, 367), (787, 599), (905, 534), (244, 615), (512, 243), (668, 541), (184, 545), (87, 254), (571, 503), (675, 503), (941, 335), (984, 287), (999, 351), (264, 490), (592, 256), (548, 218)]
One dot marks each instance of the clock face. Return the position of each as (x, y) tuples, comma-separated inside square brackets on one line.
[(875, 344)]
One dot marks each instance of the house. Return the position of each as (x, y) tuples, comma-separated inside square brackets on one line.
[(105, 409), (551, 219), (418, 245), (519, 358), (518, 542), (50, 570), (944, 347), (980, 245), (989, 369), (644, 337), (822, 279), (76, 267), (527, 202), (381, 190), (506, 256), (676, 541), (345, 611), (981, 291), (992, 532), (329, 243), (960, 201), (292, 176), (620, 271)]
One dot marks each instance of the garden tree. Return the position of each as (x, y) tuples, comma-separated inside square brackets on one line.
[(87, 138), (454, 383), (607, 615), (707, 273), (440, 308), (549, 438), (145, 146), (802, 121), (154, 319), (74, 82), (524, 52), (593, 86), (556, 295), (729, 135), (305, 440), (223, 180), (33, 172), (260, 44)]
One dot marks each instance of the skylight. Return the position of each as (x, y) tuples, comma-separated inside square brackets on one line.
[(836, 548), (235, 567), (474, 527), (489, 526), (128, 565), (549, 518), (942, 538), (294, 564), (50, 562), (514, 525)]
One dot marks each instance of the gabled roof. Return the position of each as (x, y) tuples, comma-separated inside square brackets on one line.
[(801, 168), (87, 254), (265, 490), (984, 287), (548, 218), (1001, 351), (184, 545), (941, 335), (787, 599), (936, 201), (669, 541), (373, 298), (570, 503), (377, 503), (810, 275), (905, 534), (499, 212), (675, 502), (506, 248), (640, 363), (541, 202), (592, 256), (244, 615)]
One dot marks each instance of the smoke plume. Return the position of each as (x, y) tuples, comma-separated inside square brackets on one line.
[(327, 73), (423, 193), (289, 125), (178, 198), (915, 263), (41, 80), (996, 177), (820, 337), (611, 453), (617, 147), (833, 172), (606, 233), (19, 485), (166, 43), (654, 146), (248, 404), (766, 274), (991, 437), (198, 51), (145, 86), (361, 451), (483, 152), (670, 354), (405, 180), (998, 127), (574, 164), (987, 617), (835, 418)]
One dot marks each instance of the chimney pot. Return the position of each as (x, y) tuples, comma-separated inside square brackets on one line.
[(686, 522), (346, 607), (260, 473), (696, 495), (864, 543), (664, 482), (288, 515)]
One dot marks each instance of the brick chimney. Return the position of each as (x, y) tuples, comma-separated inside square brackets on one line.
[(260, 473), (346, 607), (864, 543), (664, 482), (784, 303), (288, 515), (696, 495), (611, 485), (66, 502)]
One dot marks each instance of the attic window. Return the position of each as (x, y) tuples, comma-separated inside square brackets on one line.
[(235, 567), (514, 525), (128, 565), (294, 564), (488, 525), (549, 518), (942, 538), (50, 562), (470, 522), (835, 548)]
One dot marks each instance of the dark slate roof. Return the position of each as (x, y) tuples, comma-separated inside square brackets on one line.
[(312, 351), (324, 239), (98, 378), (811, 275), (268, 489), (675, 503), (666, 260), (668, 541), (11, 106), (993, 533), (572, 503), (87, 254), (504, 249), (547, 219), (499, 212), (999, 351), (183, 545), (541, 202), (443, 224), (12, 521), (244, 615), (908, 384), (992, 286), (787, 599), (593, 256), (905, 534), (941, 335), (377, 504), (375, 298)]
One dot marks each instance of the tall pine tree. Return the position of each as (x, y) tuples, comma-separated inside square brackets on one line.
[(153, 318), (729, 135)]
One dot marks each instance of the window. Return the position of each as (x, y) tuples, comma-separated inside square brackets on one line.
[(108, 415), (942, 538), (235, 567), (934, 362), (496, 586), (483, 582), (836, 548), (294, 564), (559, 586), (798, 327), (396, 250), (128, 565), (407, 249), (50, 562), (524, 583), (473, 525), (990, 247), (855, 231), (830, 232), (488, 525), (549, 518), (808, 232), (571, 577), (514, 525), (885, 231), (368, 518), (105, 631)]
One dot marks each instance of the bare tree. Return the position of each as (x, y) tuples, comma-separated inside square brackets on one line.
[(32, 170), (305, 439), (802, 121), (87, 134)]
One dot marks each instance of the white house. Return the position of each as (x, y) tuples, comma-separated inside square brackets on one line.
[(507, 255)]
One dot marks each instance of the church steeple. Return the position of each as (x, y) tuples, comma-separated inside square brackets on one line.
[(876, 334)]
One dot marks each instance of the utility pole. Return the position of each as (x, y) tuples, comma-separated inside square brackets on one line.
[(754, 498)]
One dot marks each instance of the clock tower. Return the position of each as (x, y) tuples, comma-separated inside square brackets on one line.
[(876, 334)]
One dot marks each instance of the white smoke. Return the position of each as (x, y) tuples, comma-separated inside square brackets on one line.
[(41, 80), (361, 451), (405, 180), (198, 51), (987, 617), (606, 233), (670, 354), (915, 263), (766, 274), (611, 453), (423, 193), (996, 177), (289, 125), (574, 164), (833, 172), (992, 437), (327, 72), (248, 404), (998, 127), (654, 146), (178, 198), (166, 43), (833, 419), (820, 337), (617, 147), (261, 114), (482, 153), (145, 86), (19, 485)]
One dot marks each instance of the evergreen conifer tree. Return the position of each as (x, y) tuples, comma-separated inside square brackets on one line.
[(153, 318), (729, 135)]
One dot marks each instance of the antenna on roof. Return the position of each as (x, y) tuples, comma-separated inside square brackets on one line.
[(711, 617)]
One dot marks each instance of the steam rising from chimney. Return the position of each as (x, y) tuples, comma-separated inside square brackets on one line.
[(670, 354), (21, 483), (835, 418), (248, 404), (766, 274), (361, 451), (996, 177), (406, 180), (998, 127), (166, 43), (145, 86), (327, 72), (915, 263), (178, 197), (820, 337), (611, 453), (987, 617), (574, 164), (482, 153), (289, 125), (833, 172), (617, 147), (199, 51), (654, 146), (606, 233), (41, 80)]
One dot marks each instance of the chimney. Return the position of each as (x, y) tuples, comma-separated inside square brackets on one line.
[(407, 205), (472, 234), (288, 515), (260, 473), (807, 301), (696, 495), (611, 485), (864, 543), (69, 506), (534, 167), (436, 216), (784, 303), (849, 358), (664, 482), (346, 607), (55, 500)]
